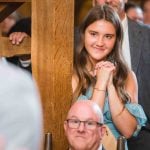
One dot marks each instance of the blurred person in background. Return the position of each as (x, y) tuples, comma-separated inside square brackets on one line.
[(9, 22), (21, 30), (134, 12), (21, 123), (146, 11), (17, 28)]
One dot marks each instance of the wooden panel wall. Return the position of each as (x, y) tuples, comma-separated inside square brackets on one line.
[(52, 54), (25, 9)]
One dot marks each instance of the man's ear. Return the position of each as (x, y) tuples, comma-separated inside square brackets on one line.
[(65, 126), (103, 131)]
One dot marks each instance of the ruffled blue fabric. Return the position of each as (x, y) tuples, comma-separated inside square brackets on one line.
[(135, 109)]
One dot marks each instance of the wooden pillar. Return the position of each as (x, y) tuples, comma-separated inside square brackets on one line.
[(52, 55)]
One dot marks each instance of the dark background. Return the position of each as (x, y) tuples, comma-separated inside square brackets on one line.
[(82, 6)]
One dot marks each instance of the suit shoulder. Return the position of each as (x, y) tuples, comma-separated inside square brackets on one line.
[(133, 25)]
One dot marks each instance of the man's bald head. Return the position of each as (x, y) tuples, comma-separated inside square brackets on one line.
[(83, 126), (88, 105)]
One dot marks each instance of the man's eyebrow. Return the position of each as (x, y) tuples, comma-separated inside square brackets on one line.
[(73, 116)]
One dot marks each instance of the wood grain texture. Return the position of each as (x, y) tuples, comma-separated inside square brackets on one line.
[(7, 49), (52, 55), (15, 0)]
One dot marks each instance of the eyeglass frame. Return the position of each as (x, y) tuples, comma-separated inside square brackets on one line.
[(84, 122)]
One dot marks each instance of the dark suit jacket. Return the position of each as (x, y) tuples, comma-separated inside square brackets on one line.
[(139, 40)]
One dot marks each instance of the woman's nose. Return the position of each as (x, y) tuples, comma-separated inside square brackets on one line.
[(99, 41)]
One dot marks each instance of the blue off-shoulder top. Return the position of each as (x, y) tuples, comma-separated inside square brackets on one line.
[(135, 109)]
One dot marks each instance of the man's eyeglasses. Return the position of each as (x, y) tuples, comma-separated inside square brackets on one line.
[(90, 124)]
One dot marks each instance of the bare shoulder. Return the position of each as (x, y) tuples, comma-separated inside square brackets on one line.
[(74, 82), (132, 86), (131, 77)]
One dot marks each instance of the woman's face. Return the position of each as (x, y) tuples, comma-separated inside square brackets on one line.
[(100, 37)]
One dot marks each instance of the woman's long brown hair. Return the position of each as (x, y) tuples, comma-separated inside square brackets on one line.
[(85, 79)]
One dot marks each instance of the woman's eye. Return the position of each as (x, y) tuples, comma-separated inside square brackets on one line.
[(93, 33), (108, 36)]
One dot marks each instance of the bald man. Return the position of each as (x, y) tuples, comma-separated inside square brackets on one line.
[(84, 126)]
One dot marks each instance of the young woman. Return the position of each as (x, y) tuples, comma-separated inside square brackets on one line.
[(101, 75)]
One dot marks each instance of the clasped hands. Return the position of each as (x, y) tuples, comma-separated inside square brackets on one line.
[(104, 72)]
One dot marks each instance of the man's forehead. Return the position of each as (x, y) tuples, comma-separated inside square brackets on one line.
[(82, 111), (79, 107)]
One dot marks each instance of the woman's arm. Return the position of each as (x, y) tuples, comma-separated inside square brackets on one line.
[(103, 70), (122, 118)]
